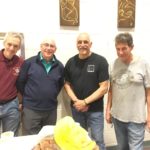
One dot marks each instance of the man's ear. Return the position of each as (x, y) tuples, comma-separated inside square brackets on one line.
[(91, 44), (132, 47), (40, 45)]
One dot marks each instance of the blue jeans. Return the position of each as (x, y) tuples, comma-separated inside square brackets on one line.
[(10, 116), (94, 122), (130, 136)]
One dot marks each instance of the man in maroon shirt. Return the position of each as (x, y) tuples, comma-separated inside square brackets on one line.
[(10, 65)]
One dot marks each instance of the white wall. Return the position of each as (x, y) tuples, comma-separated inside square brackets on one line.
[(98, 17)]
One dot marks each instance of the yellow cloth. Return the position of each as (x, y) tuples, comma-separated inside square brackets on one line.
[(71, 136)]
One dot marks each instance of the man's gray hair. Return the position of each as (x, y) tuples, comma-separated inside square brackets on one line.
[(125, 38), (14, 34)]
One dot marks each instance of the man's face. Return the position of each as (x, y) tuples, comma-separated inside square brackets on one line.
[(48, 48), (11, 45), (124, 52), (84, 45)]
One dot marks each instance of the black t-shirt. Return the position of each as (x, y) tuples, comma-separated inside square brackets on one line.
[(85, 76)]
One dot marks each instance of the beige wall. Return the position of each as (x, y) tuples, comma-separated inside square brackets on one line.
[(98, 17)]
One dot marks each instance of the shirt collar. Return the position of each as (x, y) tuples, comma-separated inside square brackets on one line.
[(2, 57), (42, 59)]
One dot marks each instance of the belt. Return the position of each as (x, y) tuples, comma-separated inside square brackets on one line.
[(6, 101)]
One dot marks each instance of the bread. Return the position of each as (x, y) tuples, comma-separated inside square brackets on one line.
[(68, 135), (47, 143)]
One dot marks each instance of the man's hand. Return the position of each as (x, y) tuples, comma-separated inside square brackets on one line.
[(108, 117), (80, 105), (20, 107), (148, 126)]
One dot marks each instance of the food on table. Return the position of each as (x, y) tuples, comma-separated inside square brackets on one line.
[(68, 135)]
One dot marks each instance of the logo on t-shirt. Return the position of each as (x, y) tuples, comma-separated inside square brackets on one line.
[(16, 71), (123, 78), (90, 68)]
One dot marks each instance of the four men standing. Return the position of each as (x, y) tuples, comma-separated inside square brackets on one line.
[(86, 82)]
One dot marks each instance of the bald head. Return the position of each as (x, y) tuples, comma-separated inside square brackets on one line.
[(83, 45), (48, 40), (84, 35)]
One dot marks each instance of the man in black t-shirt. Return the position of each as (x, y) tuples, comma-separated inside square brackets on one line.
[(86, 82)]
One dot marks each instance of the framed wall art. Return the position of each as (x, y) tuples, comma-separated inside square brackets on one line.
[(69, 12), (126, 13)]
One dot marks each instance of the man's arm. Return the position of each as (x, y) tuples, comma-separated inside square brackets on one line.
[(101, 91), (74, 98), (109, 105), (148, 107), (23, 76), (70, 92), (20, 100)]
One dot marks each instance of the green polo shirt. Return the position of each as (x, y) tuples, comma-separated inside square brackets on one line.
[(47, 65)]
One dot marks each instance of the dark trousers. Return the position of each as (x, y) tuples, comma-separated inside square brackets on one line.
[(33, 120)]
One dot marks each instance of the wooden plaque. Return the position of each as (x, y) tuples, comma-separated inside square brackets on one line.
[(126, 13), (69, 12)]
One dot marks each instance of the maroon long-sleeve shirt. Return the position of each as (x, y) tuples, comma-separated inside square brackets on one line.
[(9, 71)]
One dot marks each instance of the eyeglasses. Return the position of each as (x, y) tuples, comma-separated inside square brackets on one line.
[(84, 42), (48, 45)]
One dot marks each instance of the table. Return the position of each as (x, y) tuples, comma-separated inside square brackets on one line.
[(19, 143), (25, 142)]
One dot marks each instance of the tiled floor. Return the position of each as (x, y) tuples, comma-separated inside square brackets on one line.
[(146, 146)]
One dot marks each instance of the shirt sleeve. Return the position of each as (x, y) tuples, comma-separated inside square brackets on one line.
[(23, 77)]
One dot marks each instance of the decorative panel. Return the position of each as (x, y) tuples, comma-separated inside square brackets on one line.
[(69, 12), (126, 13)]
